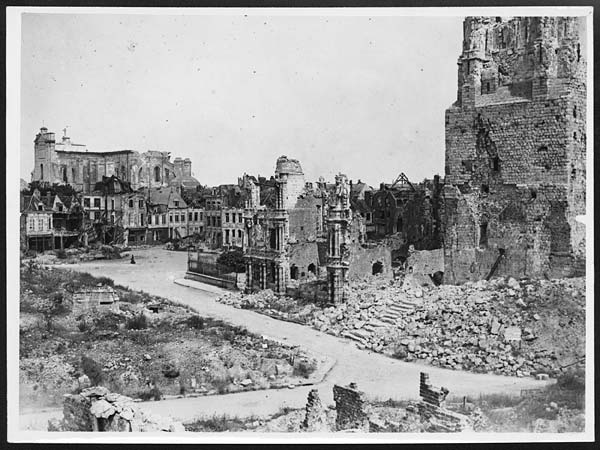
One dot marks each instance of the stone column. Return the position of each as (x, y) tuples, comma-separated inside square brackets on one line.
[(263, 275), (248, 275)]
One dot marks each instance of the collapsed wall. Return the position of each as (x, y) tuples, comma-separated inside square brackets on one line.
[(96, 409), (433, 411), (352, 409)]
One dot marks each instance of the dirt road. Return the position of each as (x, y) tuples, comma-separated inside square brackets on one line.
[(379, 376)]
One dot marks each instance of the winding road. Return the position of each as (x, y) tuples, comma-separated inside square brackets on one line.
[(379, 376)]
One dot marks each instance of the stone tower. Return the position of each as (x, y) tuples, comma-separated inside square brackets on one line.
[(338, 226), (516, 151), (44, 156)]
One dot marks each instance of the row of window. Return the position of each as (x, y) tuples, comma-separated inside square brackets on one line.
[(98, 203), (227, 234), (239, 216), (39, 223)]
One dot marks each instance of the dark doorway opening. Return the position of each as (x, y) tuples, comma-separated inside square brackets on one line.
[(377, 268)]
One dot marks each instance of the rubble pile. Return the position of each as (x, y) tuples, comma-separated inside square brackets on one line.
[(502, 326), (97, 409)]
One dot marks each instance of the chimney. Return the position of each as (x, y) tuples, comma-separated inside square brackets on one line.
[(187, 167)]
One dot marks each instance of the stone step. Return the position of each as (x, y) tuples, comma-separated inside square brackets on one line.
[(387, 317), (372, 327), (400, 310), (357, 335), (402, 305), (388, 320)]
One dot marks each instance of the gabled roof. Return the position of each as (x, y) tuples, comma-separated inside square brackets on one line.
[(113, 185), (32, 203), (165, 196)]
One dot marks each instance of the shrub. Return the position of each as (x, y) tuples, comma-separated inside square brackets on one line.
[(131, 297), (92, 369), (50, 308), (138, 322), (61, 254), (83, 325), (196, 322), (304, 368), (152, 394), (233, 260), (221, 384), (573, 379), (170, 371), (399, 352)]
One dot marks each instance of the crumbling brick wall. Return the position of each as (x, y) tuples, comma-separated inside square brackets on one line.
[(352, 409), (315, 418), (515, 157), (432, 409)]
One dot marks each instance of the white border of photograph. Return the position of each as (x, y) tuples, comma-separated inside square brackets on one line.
[(13, 62)]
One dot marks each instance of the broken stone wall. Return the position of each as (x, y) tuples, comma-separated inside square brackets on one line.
[(352, 409), (364, 257), (515, 165), (432, 409), (301, 255), (94, 300), (426, 262), (96, 409), (304, 218), (315, 418)]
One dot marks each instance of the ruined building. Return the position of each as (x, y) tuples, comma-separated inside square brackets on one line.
[(282, 239), (338, 252), (515, 151), (66, 162)]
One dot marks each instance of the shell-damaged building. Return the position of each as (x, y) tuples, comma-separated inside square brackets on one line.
[(516, 151), (65, 162)]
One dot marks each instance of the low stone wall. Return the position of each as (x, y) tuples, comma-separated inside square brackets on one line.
[(95, 299), (96, 409), (213, 281)]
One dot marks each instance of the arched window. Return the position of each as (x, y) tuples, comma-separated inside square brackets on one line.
[(294, 272), (157, 173), (312, 269), (166, 174), (41, 171), (73, 174), (141, 175), (64, 174)]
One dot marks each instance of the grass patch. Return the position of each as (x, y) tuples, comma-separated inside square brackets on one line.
[(220, 423)]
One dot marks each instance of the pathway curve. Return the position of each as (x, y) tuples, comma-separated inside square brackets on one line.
[(379, 376)]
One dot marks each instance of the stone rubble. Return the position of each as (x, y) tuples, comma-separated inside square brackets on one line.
[(486, 326), (97, 409)]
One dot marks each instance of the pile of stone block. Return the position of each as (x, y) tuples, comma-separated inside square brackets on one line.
[(97, 409)]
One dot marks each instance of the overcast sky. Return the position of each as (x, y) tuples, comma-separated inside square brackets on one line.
[(361, 95)]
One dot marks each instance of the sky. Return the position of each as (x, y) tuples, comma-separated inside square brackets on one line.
[(363, 95)]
